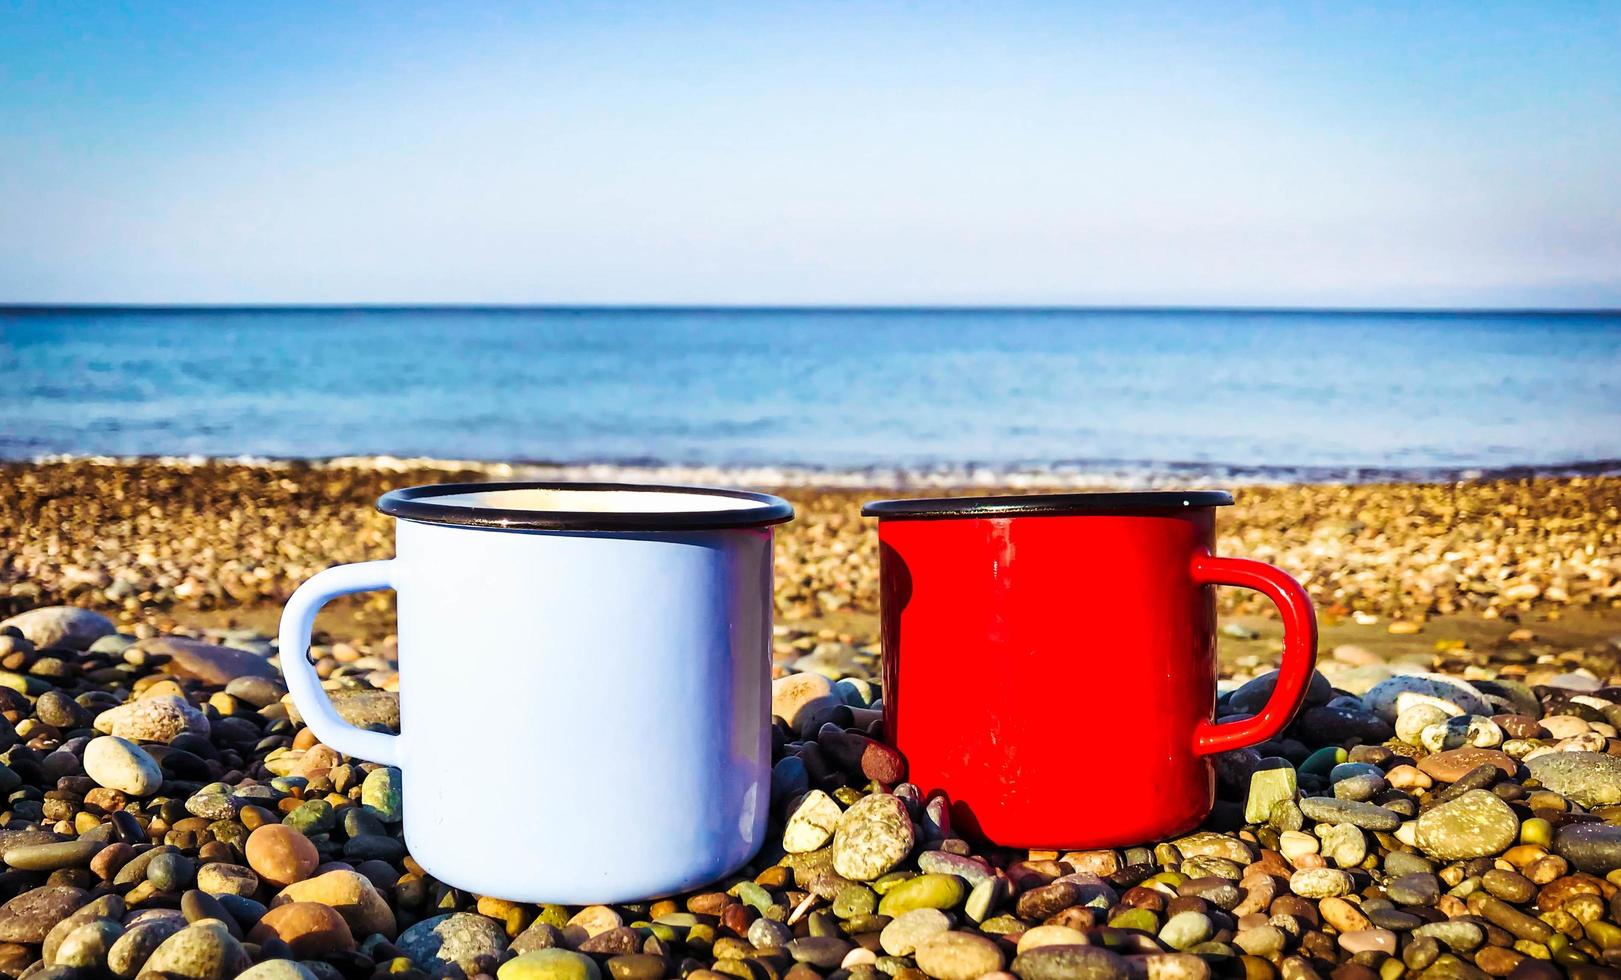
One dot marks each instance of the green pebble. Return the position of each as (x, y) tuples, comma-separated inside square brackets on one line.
[(664, 932), (853, 900), (312, 817), (933, 891), (1536, 831), (550, 964), (1141, 920), (753, 895), (848, 795), (1323, 761), (1001, 925), (553, 915), (380, 793), (1605, 934), (885, 883), (678, 920)]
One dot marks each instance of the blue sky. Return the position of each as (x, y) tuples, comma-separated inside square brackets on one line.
[(1435, 154)]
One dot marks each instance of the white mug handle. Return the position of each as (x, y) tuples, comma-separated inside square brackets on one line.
[(296, 621)]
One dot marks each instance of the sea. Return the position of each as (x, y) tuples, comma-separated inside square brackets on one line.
[(1041, 397)]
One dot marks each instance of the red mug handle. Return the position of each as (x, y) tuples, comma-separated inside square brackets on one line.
[(1299, 651)]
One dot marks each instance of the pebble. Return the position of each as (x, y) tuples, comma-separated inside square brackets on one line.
[(811, 823), (1588, 778), (312, 930), (1071, 963), (927, 891), (207, 662), (380, 794), (467, 940), (1328, 809), (1267, 788), (68, 627), (958, 956), (874, 835), (277, 970), (1186, 929), (906, 931), (790, 695), (136, 945), (204, 950), (281, 855), (50, 857), (1452, 764), (1455, 697), (1320, 883), (550, 964), (1594, 848), (120, 764), (1476, 824), (352, 894), (155, 719), (28, 917)]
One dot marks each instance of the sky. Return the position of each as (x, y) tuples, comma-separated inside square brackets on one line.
[(1290, 154)]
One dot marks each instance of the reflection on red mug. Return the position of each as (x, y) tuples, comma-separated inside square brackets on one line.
[(1049, 660)]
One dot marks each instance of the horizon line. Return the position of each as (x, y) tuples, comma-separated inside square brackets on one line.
[(26, 307)]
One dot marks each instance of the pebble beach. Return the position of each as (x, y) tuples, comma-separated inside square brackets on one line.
[(1449, 807)]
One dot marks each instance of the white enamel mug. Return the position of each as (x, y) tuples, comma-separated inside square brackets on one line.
[(585, 679)]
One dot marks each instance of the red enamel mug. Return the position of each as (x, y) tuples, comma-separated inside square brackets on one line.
[(1050, 660)]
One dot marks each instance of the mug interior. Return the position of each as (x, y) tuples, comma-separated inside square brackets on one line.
[(585, 506)]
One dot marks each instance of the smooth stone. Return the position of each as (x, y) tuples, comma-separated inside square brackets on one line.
[(1330, 723), (1186, 929), (28, 918), (906, 931), (985, 897), (161, 718), (204, 950), (171, 871), (1252, 696), (50, 857), (380, 794), (1263, 941), (790, 695), (310, 929), (874, 836), (258, 691), (1389, 697), (1320, 883), (1588, 778), (87, 945), (1368, 941), (824, 952), (927, 891), (281, 855), (277, 970), (461, 938), (766, 933), (207, 662), (1591, 847), (1419, 888), (1476, 824), (350, 893), (136, 945), (812, 823), (1328, 809), (67, 627), (1071, 963), (1459, 936), (550, 964), (120, 764), (959, 956), (1452, 764)]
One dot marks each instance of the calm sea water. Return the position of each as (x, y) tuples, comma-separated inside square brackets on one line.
[(1325, 395)]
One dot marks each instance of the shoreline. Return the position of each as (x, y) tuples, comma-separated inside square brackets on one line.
[(155, 537), (963, 477)]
